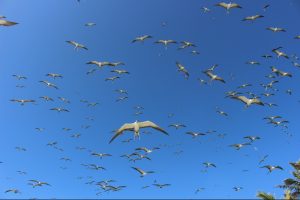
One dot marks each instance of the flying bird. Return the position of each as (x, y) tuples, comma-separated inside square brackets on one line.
[(23, 101), (253, 17), (252, 138), (182, 69), (186, 44), (19, 77), (90, 24), (177, 126), (239, 146), (208, 164), (142, 172), (36, 183), (272, 168), (248, 101), (99, 64), (53, 75), (195, 134), (77, 45), (141, 38), (166, 42), (280, 73), (4, 22), (228, 6), (136, 126), (58, 109), (276, 29), (213, 76), (48, 84), (280, 53)]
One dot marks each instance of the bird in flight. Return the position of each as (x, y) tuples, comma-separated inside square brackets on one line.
[(141, 38), (280, 53), (59, 109), (248, 101), (239, 146), (101, 155), (253, 17), (142, 172), (228, 6), (120, 71), (177, 126), (23, 101), (161, 185), (280, 73), (237, 188), (272, 168), (136, 126), (182, 69), (46, 98), (205, 9), (48, 84), (36, 183), (195, 134), (90, 24), (252, 138), (99, 64), (15, 191), (53, 75), (165, 42), (186, 44), (77, 45), (276, 29), (4, 22), (112, 78), (19, 77), (213, 76), (208, 164)]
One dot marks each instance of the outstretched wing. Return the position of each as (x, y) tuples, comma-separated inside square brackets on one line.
[(120, 130), (241, 98), (139, 170), (152, 125)]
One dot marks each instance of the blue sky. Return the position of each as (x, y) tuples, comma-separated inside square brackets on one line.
[(36, 46)]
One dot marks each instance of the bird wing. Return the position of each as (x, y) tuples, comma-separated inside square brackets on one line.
[(241, 98), (152, 125), (139, 170), (258, 102), (220, 79), (71, 42), (125, 127), (208, 73), (222, 4)]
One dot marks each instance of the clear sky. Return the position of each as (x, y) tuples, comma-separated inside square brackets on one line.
[(37, 46)]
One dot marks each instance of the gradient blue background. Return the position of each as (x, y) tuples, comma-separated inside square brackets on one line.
[(37, 46)]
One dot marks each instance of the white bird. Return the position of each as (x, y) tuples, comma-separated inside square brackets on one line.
[(248, 101), (136, 126), (77, 45), (142, 172)]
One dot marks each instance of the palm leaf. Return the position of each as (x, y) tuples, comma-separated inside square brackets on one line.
[(265, 196)]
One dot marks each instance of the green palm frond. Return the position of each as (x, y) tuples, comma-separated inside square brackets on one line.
[(265, 196)]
